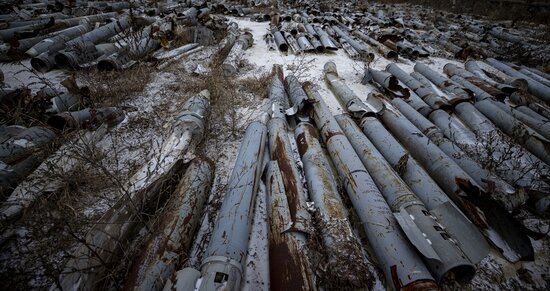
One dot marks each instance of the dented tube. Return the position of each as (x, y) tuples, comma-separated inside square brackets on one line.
[(488, 180), (289, 264), (441, 253), (103, 242), (535, 87), (226, 254), (424, 92), (461, 188), (397, 257), (346, 260), (174, 230)]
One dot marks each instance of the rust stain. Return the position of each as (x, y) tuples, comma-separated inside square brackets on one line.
[(472, 192), (287, 173), (287, 268), (401, 165), (395, 277), (327, 135), (187, 218), (421, 285), (304, 138), (302, 144)]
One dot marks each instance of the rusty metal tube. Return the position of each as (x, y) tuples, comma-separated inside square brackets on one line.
[(279, 40), (347, 262), (434, 198), (25, 143), (390, 84), (424, 92), (289, 265), (428, 191), (500, 93), (532, 141), (396, 256), (441, 253), (325, 39), (174, 230), (499, 189), (462, 189), (468, 141), (535, 87), (280, 151), (103, 242), (226, 253), (101, 33), (289, 219), (382, 49), (57, 42), (230, 64), (360, 47), (480, 69), (441, 81)]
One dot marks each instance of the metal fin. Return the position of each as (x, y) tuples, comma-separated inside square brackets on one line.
[(415, 235), (469, 238)]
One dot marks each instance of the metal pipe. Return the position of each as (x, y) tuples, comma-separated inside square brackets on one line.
[(419, 181), (473, 67), (103, 242), (453, 70), (498, 188), (494, 221), (28, 190), (325, 39), (304, 43), (25, 143), (391, 86), (382, 49), (535, 77), (426, 93), (281, 152), (535, 121), (226, 253), (479, 94), (230, 64), (544, 75), (174, 230), (279, 39), (362, 49), (7, 34), (89, 118), (500, 76), (127, 56), (346, 96), (537, 111), (536, 88), (442, 82), (532, 141), (289, 265), (397, 258), (486, 131), (468, 141), (78, 58), (346, 260), (57, 42), (350, 50), (292, 43), (289, 219), (101, 33), (441, 253)]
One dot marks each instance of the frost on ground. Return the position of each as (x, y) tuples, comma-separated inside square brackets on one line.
[(62, 218)]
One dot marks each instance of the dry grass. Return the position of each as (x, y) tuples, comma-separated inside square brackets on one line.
[(111, 88)]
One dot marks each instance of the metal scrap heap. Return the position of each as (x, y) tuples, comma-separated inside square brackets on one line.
[(412, 154)]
